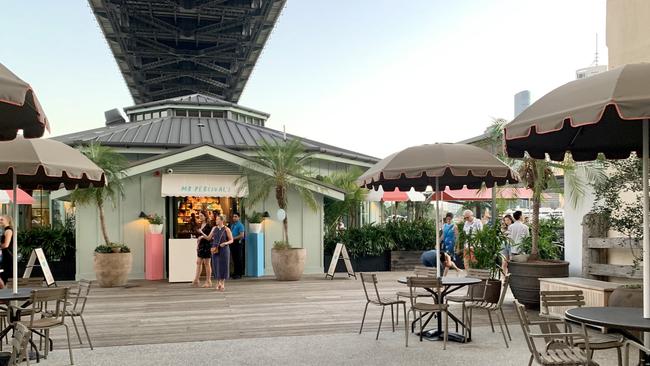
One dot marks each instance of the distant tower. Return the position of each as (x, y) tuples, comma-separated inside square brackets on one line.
[(522, 101)]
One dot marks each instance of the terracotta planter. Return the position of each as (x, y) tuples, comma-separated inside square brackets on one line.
[(288, 264), (524, 278), (156, 228), (255, 228), (626, 297), (112, 269)]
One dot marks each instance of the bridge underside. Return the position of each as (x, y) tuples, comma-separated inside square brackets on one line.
[(167, 48)]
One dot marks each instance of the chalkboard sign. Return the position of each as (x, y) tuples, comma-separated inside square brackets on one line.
[(42, 262), (340, 253)]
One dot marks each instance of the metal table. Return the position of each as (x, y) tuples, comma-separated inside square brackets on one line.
[(450, 284), (7, 295), (620, 318)]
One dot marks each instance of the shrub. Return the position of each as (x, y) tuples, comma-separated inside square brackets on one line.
[(419, 234), (281, 245), (57, 241), (103, 249), (549, 239), (487, 244), (255, 218), (155, 219)]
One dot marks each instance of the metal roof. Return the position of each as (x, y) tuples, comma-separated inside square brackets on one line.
[(197, 100), (166, 48), (178, 132)]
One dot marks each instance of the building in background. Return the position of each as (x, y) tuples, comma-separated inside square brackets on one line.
[(628, 31), (522, 101), (590, 71)]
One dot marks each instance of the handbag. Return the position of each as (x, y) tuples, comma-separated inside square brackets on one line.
[(215, 248)]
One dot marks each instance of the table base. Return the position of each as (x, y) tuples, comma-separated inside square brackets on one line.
[(436, 335)]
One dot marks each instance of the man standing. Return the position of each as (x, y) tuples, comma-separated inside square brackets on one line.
[(471, 226), (517, 232), (237, 246)]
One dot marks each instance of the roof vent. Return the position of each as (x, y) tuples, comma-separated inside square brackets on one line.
[(114, 117)]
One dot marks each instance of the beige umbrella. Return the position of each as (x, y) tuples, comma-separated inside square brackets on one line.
[(19, 108), (607, 113), (43, 164), (439, 166)]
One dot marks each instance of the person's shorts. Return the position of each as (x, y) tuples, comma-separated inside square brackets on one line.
[(507, 254)]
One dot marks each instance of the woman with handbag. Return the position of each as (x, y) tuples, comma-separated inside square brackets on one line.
[(203, 251), (221, 238)]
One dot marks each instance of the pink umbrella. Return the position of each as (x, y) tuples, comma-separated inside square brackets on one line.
[(23, 198)]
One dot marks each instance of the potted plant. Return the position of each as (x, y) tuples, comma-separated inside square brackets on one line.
[(112, 261), (487, 244), (255, 222), (155, 224), (287, 166)]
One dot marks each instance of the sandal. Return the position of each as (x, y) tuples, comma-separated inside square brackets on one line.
[(207, 284), (195, 283)]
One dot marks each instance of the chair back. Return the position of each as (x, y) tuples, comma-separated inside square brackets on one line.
[(565, 299), (31, 282), (478, 291), (52, 301), (422, 271), (504, 289), (524, 321), (372, 294), (19, 344), (429, 283), (83, 289)]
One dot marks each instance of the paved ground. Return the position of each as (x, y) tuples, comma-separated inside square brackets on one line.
[(326, 349)]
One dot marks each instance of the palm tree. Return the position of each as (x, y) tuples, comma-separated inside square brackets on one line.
[(287, 169), (354, 196), (539, 175), (113, 165)]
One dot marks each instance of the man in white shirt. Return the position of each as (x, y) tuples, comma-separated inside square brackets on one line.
[(471, 226), (517, 232)]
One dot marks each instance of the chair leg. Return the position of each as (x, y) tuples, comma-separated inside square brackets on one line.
[(397, 312), (380, 320), (83, 322), (530, 361), (444, 343), (406, 324), (67, 334), (392, 318), (620, 357), (462, 316), (505, 323), (47, 348), (364, 317), (491, 323), (502, 331), (74, 323), (469, 331), (421, 328)]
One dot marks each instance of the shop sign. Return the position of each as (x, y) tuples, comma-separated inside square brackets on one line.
[(182, 185)]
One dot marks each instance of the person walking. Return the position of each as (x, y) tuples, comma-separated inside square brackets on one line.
[(449, 236), (221, 238), (237, 246), (6, 261), (203, 254), (506, 251), (471, 226), (517, 232)]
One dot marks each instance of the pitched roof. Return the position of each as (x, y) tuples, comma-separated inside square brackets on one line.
[(177, 132), (198, 100)]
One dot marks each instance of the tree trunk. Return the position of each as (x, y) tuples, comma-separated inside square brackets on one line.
[(537, 201), (102, 222)]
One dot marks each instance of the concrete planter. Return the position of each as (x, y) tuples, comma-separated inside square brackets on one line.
[(524, 278), (288, 264), (629, 297), (112, 269), (255, 228), (156, 228)]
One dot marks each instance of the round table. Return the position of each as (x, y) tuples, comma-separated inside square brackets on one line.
[(7, 294), (621, 318), (450, 284)]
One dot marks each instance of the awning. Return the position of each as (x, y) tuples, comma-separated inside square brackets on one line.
[(395, 196), (6, 196), (198, 185)]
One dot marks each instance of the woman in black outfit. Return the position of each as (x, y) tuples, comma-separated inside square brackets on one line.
[(6, 263), (203, 251)]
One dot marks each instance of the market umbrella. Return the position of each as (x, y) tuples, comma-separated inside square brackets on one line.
[(43, 164), (438, 166), (23, 198), (607, 113), (19, 108)]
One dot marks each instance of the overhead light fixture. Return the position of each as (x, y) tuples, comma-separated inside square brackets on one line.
[(143, 215), (266, 215)]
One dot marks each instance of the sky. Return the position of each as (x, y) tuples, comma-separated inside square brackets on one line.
[(372, 76)]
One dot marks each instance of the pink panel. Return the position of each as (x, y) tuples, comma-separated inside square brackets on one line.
[(153, 257)]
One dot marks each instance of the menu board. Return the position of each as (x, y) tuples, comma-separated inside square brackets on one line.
[(42, 262)]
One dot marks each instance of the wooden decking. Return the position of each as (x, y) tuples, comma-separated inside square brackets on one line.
[(158, 312)]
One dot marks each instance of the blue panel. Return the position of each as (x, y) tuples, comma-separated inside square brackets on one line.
[(254, 254)]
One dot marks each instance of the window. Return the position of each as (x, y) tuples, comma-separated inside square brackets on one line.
[(180, 113), (163, 114), (217, 114), (147, 116), (205, 114), (40, 208), (155, 115), (139, 117), (192, 113)]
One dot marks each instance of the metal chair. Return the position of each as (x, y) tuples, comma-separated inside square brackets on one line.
[(493, 307), (576, 299), (433, 284), (377, 300), (419, 271), (18, 347), (560, 351), (474, 292), (78, 306), (41, 302)]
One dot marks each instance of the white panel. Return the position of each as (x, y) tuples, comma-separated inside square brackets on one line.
[(182, 185)]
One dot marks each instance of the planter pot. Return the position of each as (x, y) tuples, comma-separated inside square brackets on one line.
[(405, 260), (370, 263), (524, 278), (255, 228), (288, 264), (112, 269), (156, 228), (626, 297)]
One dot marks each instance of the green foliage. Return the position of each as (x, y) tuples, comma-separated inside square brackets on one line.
[(418, 234), (281, 245), (354, 197), (103, 249), (549, 239), (155, 219), (287, 168), (57, 241), (124, 249), (255, 218), (487, 244)]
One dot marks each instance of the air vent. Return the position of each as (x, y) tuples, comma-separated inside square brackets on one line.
[(114, 117)]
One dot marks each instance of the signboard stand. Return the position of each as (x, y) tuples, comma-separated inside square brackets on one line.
[(42, 262), (340, 253)]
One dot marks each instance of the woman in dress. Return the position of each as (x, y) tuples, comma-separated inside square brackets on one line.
[(221, 238), (203, 253), (6, 262), (449, 236)]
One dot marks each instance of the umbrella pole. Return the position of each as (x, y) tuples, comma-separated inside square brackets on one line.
[(438, 228), (646, 229), (15, 235)]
